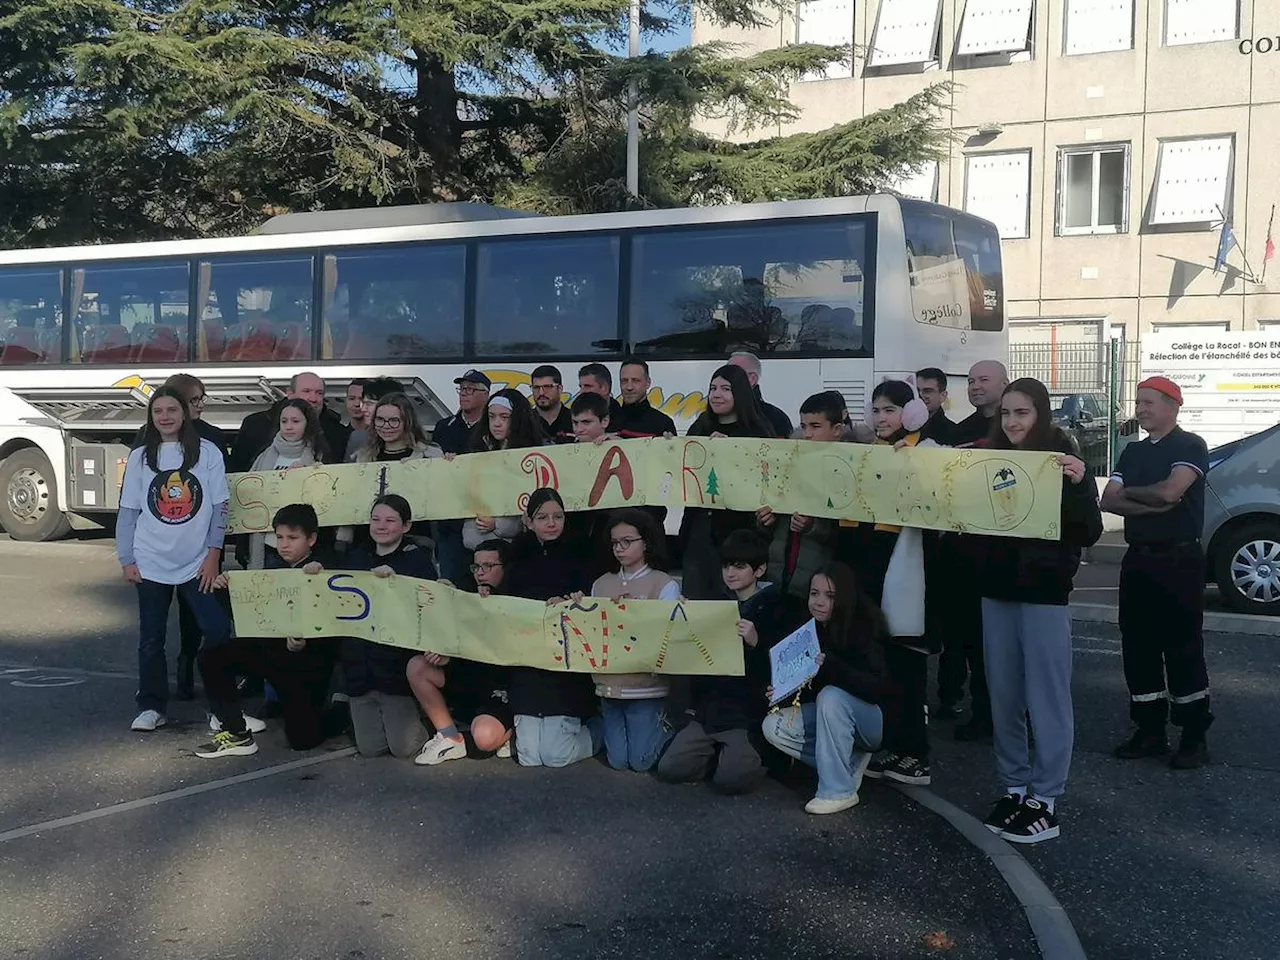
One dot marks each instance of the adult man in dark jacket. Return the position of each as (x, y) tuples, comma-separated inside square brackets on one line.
[(931, 385), (637, 417), (453, 436), (750, 365), (259, 429)]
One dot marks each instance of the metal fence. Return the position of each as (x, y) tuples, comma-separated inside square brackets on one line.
[(1092, 385)]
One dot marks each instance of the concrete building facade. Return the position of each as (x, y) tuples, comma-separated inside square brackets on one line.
[(1106, 138)]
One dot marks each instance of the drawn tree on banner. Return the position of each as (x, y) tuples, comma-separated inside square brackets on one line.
[(713, 485)]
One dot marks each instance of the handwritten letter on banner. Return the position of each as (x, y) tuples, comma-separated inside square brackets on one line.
[(592, 636), (991, 492)]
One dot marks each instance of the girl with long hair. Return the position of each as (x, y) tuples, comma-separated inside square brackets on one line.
[(169, 537), (507, 425), (555, 711), (633, 704), (839, 719), (298, 443), (395, 433), (732, 411), (1026, 627)]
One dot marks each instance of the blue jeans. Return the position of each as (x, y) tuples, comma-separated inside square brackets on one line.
[(827, 735), (555, 741), (154, 600), (633, 732)]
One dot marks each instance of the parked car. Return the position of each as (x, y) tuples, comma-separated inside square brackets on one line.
[(1083, 416), (1242, 522)]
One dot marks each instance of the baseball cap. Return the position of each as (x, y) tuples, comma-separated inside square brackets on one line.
[(475, 376), (1163, 385)]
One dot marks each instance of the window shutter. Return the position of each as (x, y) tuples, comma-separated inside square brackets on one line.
[(1191, 180), (920, 185), (995, 26), (830, 23), (997, 188), (1199, 21), (906, 32), (1098, 26)]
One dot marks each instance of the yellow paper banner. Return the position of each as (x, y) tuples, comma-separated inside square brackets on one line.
[(591, 636), (998, 492)]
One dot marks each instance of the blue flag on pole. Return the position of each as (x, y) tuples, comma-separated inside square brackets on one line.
[(1226, 240)]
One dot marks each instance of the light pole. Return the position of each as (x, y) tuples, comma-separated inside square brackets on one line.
[(633, 106)]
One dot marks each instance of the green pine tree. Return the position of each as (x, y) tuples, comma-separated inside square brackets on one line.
[(124, 120), (713, 485)]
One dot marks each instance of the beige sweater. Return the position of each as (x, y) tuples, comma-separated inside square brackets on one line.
[(630, 686)]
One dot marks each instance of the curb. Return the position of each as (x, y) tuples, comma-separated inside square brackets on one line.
[(1214, 621), (1050, 925)]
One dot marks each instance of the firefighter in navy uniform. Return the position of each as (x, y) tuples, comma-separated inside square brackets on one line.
[(1158, 487)]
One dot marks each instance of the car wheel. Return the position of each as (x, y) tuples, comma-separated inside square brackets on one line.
[(1248, 568), (29, 497)]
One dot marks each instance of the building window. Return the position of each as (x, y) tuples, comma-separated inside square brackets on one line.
[(997, 187), (1099, 26), (995, 26), (906, 32), (1200, 21), (921, 184), (1093, 190), (1199, 326), (1193, 179), (829, 23)]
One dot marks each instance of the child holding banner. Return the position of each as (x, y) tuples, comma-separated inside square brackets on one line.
[(889, 565), (298, 442), (732, 411), (384, 714), (1026, 628), (633, 704), (723, 737), (840, 719), (556, 721), (508, 424)]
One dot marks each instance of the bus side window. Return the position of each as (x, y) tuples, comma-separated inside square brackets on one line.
[(30, 316), (254, 310), (130, 312)]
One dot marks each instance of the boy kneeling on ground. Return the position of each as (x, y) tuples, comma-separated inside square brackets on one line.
[(722, 739), (298, 668)]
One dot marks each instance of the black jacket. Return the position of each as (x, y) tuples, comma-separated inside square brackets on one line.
[(318, 649), (540, 572), (560, 430), (452, 435), (939, 429), (739, 703), (259, 429), (780, 421), (640, 420), (369, 666), (1043, 571), (858, 669), (971, 429)]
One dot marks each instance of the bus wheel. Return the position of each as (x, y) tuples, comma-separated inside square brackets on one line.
[(29, 497)]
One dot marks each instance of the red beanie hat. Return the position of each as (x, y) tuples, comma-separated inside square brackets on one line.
[(1163, 385)]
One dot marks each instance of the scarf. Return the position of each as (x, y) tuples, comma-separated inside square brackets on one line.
[(280, 449)]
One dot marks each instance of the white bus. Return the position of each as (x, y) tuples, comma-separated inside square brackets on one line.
[(831, 294)]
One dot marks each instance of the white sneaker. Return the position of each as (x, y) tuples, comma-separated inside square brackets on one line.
[(504, 751), (252, 724), (820, 805), (148, 720), (439, 749)]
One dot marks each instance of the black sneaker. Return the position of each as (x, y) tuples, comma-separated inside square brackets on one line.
[(876, 768), (974, 731), (1031, 823), (908, 770), (1192, 753), (1145, 742), (1002, 812), (228, 744)]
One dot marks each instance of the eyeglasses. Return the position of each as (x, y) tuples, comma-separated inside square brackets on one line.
[(468, 391), (390, 422), (484, 567), (198, 401), (625, 543)]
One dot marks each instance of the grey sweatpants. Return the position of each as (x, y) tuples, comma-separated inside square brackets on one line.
[(385, 723), (1027, 647), (728, 756)]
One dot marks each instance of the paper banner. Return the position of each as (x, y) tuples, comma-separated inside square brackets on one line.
[(992, 492), (592, 636)]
